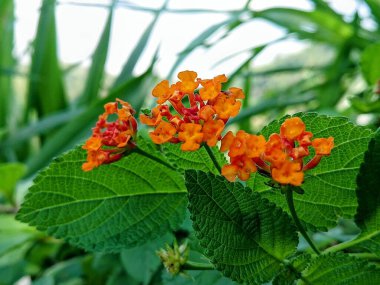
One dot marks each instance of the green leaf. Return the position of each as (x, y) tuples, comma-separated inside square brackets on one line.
[(246, 237), (142, 262), (46, 91), (10, 173), (290, 273), (330, 187), (114, 206), (197, 160), (374, 6), (370, 63), (341, 269), (6, 59), (318, 25), (368, 215), (96, 72)]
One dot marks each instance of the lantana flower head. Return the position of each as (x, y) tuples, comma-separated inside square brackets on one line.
[(110, 140), (282, 156), (199, 113)]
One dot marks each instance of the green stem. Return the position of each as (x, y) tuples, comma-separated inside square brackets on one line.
[(347, 244), (152, 157), (289, 200), (191, 265), (366, 255), (213, 158)]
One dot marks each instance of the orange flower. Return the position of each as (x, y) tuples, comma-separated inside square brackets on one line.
[(162, 91), (188, 84), (152, 120), (93, 144), (238, 146), (255, 146), (292, 128), (323, 146), (212, 87), (288, 173), (226, 107), (164, 132), (227, 141), (281, 156), (212, 131), (206, 113), (241, 166), (110, 140), (236, 93), (191, 135), (199, 110)]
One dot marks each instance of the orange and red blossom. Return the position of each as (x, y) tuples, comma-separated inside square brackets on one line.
[(110, 140), (281, 155), (197, 115)]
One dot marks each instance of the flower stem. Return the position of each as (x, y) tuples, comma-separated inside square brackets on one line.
[(290, 202), (213, 158), (191, 265), (152, 157)]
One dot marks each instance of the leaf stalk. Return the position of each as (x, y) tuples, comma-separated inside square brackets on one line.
[(290, 202)]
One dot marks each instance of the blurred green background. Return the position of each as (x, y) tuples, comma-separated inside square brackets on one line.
[(321, 56)]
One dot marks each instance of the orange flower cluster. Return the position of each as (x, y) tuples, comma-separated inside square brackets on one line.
[(281, 156), (110, 140), (199, 115)]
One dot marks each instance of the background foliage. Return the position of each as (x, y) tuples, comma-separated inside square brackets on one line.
[(336, 75)]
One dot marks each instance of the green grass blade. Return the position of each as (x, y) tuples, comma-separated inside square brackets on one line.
[(374, 6), (199, 41), (46, 91), (127, 70), (6, 59), (96, 73), (320, 25)]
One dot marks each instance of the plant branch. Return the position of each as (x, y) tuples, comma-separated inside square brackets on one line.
[(213, 158), (290, 202), (191, 265)]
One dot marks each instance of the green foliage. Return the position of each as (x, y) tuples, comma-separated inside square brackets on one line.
[(6, 60), (142, 262), (245, 236), (46, 91), (340, 269), (120, 205), (10, 174), (198, 160), (371, 63), (96, 73), (368, 215), (330, 187)]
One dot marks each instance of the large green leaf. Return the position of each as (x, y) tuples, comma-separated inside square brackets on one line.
[(340, 269), (246, 237), (368, 216), (370, 63), (330, 187), (46, 92), (114, 206)]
